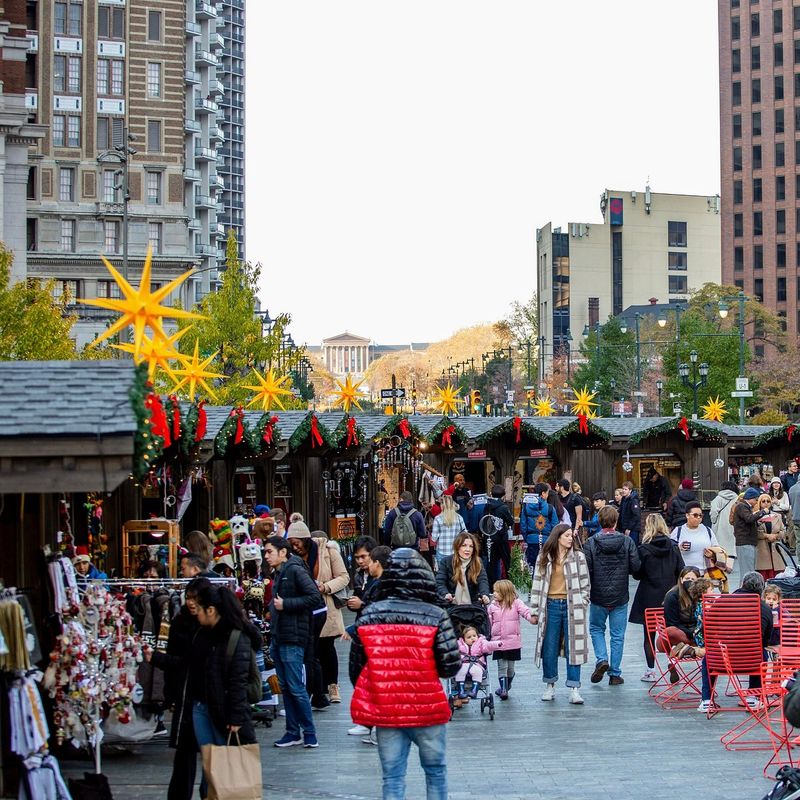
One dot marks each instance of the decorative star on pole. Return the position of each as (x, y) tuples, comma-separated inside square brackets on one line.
[(195, 372), (582, 404), (348, 394), (140, 307), (446, 398), (714, 410), (543, 407), (156, 353), (269, 390)]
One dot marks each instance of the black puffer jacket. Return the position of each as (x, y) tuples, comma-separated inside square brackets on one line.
[(661, 566), (407, 596), (226, 682), (611, 557), (446, 583), (676, 510), (677, 617), (293, 583), (630, 514)]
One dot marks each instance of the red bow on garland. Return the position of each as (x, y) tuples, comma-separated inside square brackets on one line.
[(684, 426), (405, 428), (447, 436), (316, 436), (352, 434), (239, 414), (158, 418), (176, 417), (268, 428), (202, 422), (583, 424), (518, 428), (790, 431)]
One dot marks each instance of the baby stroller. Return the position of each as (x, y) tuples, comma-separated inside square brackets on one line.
[(474, 616)]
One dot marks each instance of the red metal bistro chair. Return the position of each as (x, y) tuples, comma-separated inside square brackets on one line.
[(685, 691), (661, 648), (789, 613), (751, 701), (773, 676)]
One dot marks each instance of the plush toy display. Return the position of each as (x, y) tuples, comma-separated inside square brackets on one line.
[(221, 536)]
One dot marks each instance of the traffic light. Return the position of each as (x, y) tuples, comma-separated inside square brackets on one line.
[(531, 394), (475, 401)]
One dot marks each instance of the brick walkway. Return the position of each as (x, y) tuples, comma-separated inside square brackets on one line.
[(618, 746)]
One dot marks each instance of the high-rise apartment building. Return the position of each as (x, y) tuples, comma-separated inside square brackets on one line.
[(646, 247), (100, 70), (759, 59)]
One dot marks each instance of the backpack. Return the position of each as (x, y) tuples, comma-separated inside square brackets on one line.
[(403, 533), (708, 531), (254, 686), (732, 512)]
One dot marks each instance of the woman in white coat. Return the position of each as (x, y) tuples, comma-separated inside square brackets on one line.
[(721, 525)]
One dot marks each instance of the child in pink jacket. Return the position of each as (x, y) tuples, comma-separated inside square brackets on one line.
[(505, 612), (474, 649)]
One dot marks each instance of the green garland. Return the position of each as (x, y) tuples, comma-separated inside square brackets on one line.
[(304, 431), (255, 435), (390, 429), (340, 433), (527, 429), (714, 434), (189, 428), (574, 427), (224, 438), (434, 435), (665, 427), (777, 432), (147, 449)]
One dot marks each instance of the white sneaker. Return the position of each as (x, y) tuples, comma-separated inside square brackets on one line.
[(372, 738), (753, 702), (575, 697), (282, 712), (649, 676), (705, 706), (358, 730), (549, 692)]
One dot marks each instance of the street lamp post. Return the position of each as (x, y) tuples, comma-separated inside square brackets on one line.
[(528, 345), (659, 389), (694, 384), (740, 298), (568, 339)]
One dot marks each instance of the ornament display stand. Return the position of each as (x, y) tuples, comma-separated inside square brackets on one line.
[(150, 532)]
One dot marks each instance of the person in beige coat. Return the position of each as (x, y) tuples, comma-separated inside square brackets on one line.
[(770, 530), (325, 563)]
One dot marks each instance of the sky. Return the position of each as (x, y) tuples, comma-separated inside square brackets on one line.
[(400, 155)]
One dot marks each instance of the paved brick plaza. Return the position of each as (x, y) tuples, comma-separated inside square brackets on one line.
[(619, 745)]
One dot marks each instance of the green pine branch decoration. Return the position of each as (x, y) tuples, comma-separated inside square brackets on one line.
[(777, 432), (147, 448), (574, 427), (665, 427), (304, 431), (527, 429), (434, 435), (255, 435)]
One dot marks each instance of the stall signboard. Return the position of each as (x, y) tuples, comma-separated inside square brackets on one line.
[(480, 499), (538, 453), (477, 454)]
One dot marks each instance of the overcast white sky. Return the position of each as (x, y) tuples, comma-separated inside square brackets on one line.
[(400, 155)]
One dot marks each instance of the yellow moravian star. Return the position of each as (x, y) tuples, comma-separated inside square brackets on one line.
[(714, 410), (582, 404), (157, 353), (446, 398), (543, 407), (195, 372), (348, 394), (269, 390)]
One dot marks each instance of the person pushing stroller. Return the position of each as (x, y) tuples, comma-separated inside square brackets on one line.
[(474, 648)]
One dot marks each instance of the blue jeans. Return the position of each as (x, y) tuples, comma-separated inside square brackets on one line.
[(557, 623), (393, 747), (206, 733), (288, 660), (617, 618)]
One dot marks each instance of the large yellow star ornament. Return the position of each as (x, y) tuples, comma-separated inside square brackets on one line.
[(714, 410), (140, 307), (269, 390), (156, 353), (195, 372), (543, 407), (446, 399), (582, 404), (348, 394)]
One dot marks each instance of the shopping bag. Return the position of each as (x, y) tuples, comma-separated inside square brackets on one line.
[(233, 772)]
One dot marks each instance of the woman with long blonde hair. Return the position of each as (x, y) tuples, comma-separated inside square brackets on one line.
[(446, 527), (654, 526), (462, 579)]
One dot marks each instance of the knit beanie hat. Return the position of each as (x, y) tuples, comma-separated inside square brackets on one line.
[(751, 494), (687, 483), (298, 530)]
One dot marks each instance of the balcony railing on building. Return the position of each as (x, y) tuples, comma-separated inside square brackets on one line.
[(205, 154), (205, 10), (205, 106), (191, 175)]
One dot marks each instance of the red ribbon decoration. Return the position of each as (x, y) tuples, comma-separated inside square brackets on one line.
[(268, 428), (352, 433), (684, 426), (447, 436), (316, 436), (583, 424), (518, 428), (176, 417), (202, 422), (158, 418), (405, 428), (790, 431), (239, 414)]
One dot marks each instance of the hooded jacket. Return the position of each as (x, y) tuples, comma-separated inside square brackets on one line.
[(610, 557), (417, 520), (403, 644), (292, 625), (676, 510), (655, 493), (529, 516), (630, 515), (745, 524), (661, 565)]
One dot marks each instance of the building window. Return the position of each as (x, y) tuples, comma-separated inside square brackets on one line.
[(109, 132), (594, 309), (153, 26), (738, 224), (102, 76), (59, 74), (777, 20), (779, 127), (110, 22), (677, 260), (780, 187), (756, 123), (68, 235), (31, 190), (758, 256), (735, 29), (755, 25), (780, 221), (676, 234), (678, 284), (117, 77), (59, 130), (109, 184), (777, 54), (758, 289), (737, 159), (736, 61), (755, 57), (154, 136), (68, 17), (780, 154), (154, 236), (616, 272), (797, 191), (755, 90), (74, 74), (738, 259), (109, 290), (782, 320), (66, 184), (73, 131), (736, 93), (110, 76), (111, 236), (796, 18), (154, 188), (756, 156), (758, 223), (780, 254), (778, 88), (738, 194), (797, 84), (797, 152), (737, 126), (31, 234), (153, 79), (68, 291)]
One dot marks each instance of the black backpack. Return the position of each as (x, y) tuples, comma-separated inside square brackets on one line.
[(254, 686)]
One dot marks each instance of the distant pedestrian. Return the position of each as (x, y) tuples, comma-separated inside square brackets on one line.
[(404, 526), (592, 525), (536, 519), (746, 516), (721, 517), (676, 508), (446, 527), (573, 503), (630, 514), (789, 477), (694, 538), (656, 490), (497, 507), (794, 511)]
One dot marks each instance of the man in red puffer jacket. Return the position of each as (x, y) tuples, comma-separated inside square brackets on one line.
[(403, 644)]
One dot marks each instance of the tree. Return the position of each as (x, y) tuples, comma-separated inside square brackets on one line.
[(778, 378), (33, 326), (522, 322)]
